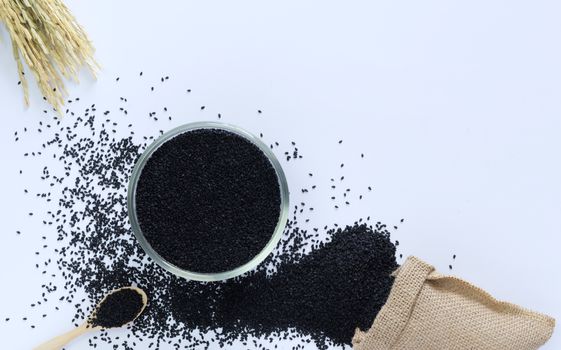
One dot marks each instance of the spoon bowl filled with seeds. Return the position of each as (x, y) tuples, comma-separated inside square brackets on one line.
[(208, 201), (117, 309)]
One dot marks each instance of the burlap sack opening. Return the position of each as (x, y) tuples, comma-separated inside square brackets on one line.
[(429, 311)]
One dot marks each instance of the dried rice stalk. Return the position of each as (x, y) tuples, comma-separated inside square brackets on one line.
[(51, 42)]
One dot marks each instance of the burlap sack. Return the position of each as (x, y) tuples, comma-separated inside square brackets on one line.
[(428, 311)]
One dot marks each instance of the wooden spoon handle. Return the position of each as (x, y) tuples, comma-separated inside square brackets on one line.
[(60, 341)]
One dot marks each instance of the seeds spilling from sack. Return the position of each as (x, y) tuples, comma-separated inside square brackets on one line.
[(327, 293), (318, 285)]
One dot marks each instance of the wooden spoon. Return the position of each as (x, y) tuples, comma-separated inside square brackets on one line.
[(60, 341)]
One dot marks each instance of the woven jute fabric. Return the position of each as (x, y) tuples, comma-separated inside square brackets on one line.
[(426, 310)]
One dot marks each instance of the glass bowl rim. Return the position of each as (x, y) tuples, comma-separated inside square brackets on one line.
[(215, 276)]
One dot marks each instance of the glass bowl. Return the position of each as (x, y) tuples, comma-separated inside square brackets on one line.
[(215, 276)]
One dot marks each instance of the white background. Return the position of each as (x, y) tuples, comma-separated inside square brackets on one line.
[(456, 106)]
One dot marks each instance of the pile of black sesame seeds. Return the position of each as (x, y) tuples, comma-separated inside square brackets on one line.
[(96, 252), (208, 200), (117, 308)]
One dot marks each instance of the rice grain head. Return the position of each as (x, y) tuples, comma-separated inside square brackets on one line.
[(46, 37)]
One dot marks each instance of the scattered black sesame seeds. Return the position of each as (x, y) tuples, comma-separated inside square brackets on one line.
[(306, 289)]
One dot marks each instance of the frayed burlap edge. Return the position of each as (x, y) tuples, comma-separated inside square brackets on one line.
[(394, 317)]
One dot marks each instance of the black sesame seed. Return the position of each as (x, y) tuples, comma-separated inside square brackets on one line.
[(198, 160), (279, 295), (118, 308)]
